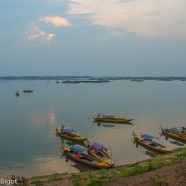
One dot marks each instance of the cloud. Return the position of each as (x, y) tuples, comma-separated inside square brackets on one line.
[(56, 21), (147, 18), (36, 33)]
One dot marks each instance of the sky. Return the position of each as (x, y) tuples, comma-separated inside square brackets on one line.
[(93, 37)]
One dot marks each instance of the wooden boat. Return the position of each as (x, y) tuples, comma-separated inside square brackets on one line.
[(28, 91), (69, 134), (111, 119), (173, 134), (80, 154), (99, 152), (146, 141), (17, 94)]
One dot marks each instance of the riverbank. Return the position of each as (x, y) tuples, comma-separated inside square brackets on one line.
[(163, 170)]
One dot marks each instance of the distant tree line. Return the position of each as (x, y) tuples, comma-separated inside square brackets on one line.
[(132, 78)]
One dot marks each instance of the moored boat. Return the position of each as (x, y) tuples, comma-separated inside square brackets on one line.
[(28, 91), (146, 140), (111, 119), (80, 154), (69, 134), (173, 134), (17, 94), (99, 152)]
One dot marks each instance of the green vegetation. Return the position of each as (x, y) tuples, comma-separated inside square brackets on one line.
[(101, 177), (55, 177), (76, 180), (37, 183)]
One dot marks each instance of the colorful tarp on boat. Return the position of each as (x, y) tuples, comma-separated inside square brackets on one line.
[(68, 131), (108, 116), (77, 149), (148, 137), (174, 129), (97, 146)]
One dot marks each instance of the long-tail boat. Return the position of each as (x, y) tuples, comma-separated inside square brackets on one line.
[(80, 154), (173, 134), (146, 140), (111, 119), (99, 152), (69, 134)]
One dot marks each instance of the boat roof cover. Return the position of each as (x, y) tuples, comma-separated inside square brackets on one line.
[(97, 146), (175, 130), (107, 116), (68, 131), (77, 149), (148, 137)]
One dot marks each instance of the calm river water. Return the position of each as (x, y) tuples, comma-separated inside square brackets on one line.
[(29, 147)]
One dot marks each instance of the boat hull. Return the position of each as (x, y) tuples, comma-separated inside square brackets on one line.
[(151, 145), (104, 157), (94, 163), (174, 136), (112, 120), (72, 137), (100, 155)]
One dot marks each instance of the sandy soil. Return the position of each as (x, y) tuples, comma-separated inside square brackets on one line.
[(172, 175)]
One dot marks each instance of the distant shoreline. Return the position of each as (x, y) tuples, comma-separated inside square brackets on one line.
[(92, 78)]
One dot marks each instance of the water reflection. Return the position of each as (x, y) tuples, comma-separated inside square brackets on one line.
[(146, 150), (33, 118), (52, 118), (100, 124)]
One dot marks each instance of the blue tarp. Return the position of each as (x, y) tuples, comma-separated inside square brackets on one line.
[(68, 131), (97, 146), (77, 149), (148, 137), (107, 116), (175, 130)]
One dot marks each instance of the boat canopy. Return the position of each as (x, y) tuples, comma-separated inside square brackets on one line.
[(68, 131), (175, 130), (77, 149), (108, 116), (97, 146), (148, 137)]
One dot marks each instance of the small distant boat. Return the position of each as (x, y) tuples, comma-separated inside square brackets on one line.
[(174, 133), (28, 91), (146, 141), (17, 94), (70, 134), (99, 152), (111, 119), (80, 154)]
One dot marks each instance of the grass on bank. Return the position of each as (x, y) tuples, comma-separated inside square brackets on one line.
[(103, 176)]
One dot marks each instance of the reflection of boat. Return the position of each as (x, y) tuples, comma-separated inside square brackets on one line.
[(79, 154), (146, 141), (69, 134), (111, 119), (99, 152), (108, 125), (173, 134)]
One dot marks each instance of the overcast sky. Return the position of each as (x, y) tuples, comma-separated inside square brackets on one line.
[(93, 37)]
